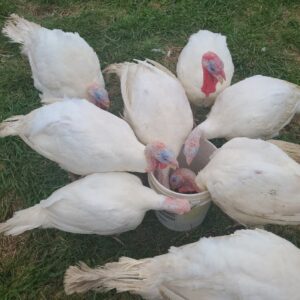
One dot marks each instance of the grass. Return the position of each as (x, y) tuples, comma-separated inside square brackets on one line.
[(32, 265)]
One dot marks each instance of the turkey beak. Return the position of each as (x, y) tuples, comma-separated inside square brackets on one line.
[(103, 103), (221, 77), (100, 98), (174, 164)]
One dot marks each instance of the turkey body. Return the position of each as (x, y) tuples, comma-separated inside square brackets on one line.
[(104, 204), (81, 138), (254, 182), (62, 63), (256, 107), (155, 104), (247, 265)]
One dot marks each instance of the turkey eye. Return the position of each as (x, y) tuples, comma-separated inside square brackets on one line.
[(173, 179), (164, 156), (211, 67)]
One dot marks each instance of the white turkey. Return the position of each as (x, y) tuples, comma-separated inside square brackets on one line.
[(256, 107), (248, 265), (254, 182), (155, 104), (83, 139), (62, 63), (104, 204), (205, 67)]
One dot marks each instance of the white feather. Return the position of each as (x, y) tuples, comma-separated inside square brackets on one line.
[(298, 109), (189, 68), (291, 149)]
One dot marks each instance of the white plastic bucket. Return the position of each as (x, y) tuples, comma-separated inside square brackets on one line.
[(200, 201)]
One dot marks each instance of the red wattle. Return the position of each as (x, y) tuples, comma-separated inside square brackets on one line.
[(162, 165), (209, 83)]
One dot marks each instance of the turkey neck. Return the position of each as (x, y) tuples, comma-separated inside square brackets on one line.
[(163, 177), (208, 130), (139, 161)]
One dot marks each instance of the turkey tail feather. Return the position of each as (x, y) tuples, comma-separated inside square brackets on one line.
[(124, 275), (10, 126), (24, 220), (291, 149), (18, 29), (115, 68)]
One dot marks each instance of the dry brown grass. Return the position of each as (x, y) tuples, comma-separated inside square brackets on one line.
[(9, 245), (293, 54), (40, 11), (171, 57)]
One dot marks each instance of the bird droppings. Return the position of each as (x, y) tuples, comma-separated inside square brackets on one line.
[(158, 50)]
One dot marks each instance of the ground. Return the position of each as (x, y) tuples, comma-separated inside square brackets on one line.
[(263, 37)]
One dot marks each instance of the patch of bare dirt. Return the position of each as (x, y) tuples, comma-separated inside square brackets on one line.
[(156, 5), (288, 14), (294, 54), (46, 10), (10, 245)]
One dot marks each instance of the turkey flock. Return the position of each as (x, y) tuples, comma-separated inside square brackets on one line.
[(253, 180)]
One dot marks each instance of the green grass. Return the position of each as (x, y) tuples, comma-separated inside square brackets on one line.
[(32, 265)]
